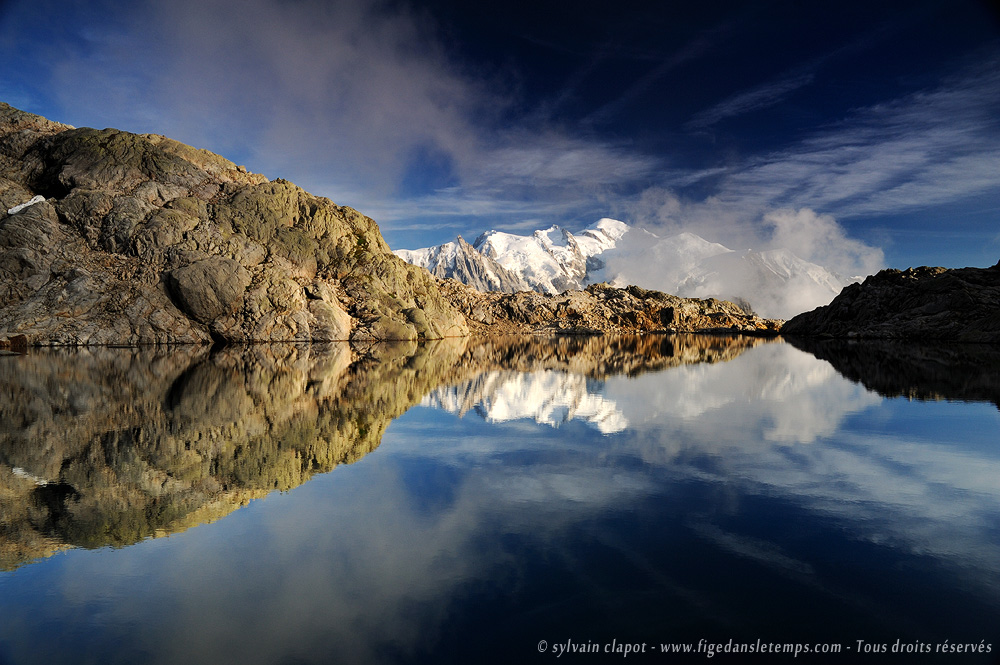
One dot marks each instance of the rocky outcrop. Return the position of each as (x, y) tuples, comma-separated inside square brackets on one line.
[(961, 305), (601, 309), (141, 239)]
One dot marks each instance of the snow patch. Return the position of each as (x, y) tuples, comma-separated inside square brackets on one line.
[(27, 204)]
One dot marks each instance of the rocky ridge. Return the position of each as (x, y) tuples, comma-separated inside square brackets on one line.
[(601, 309), (961, 305)]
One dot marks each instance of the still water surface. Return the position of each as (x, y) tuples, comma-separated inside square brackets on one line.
[(499, 502)]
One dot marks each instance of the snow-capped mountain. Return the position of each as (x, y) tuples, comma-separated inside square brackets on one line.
[(549, 261), (553, 260), (775, 282)]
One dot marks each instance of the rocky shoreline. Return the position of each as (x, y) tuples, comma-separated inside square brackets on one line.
[(130, 240)]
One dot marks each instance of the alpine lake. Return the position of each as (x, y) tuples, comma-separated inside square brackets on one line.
[(652, 499)]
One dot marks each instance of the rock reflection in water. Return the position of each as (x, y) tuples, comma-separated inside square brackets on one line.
[(114, 445), (552, 381), (968, 372), (106, 447)]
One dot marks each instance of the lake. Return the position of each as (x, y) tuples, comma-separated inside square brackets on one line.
[(585, 500)]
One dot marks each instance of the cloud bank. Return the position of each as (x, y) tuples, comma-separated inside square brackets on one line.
[(800, 259)]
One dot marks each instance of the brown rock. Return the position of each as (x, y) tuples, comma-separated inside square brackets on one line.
[(600, 309)]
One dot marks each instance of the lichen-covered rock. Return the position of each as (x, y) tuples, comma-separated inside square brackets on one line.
[(210, 289), (144, 240), (961, 305)]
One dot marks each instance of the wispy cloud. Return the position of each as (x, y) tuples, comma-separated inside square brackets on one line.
[(692, 50), (532, 175), (932, 147), (761, 97), (339, 98), (346, 90), (927, 148)]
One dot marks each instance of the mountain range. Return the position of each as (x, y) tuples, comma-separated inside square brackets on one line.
[(774, 283)]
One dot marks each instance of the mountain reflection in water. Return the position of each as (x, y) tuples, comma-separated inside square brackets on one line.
[(654, 488)]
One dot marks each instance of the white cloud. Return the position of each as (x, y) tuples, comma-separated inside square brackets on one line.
[(333, 93), (334, 96), (821, 240)]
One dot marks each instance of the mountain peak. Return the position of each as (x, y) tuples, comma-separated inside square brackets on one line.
[(460, 260)]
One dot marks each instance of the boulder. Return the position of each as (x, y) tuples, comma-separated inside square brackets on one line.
[(209, 289)]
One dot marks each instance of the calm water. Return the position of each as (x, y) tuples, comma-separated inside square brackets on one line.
[(498, 503)]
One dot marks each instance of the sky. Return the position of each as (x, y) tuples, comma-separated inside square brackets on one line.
[(863, 134)]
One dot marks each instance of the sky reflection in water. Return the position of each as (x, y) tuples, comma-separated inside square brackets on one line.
[(765, 497)]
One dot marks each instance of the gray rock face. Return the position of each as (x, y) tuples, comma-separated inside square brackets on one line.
[(960, 305), (144, 240)]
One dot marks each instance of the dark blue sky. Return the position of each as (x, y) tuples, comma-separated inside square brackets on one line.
[(864, 132)]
